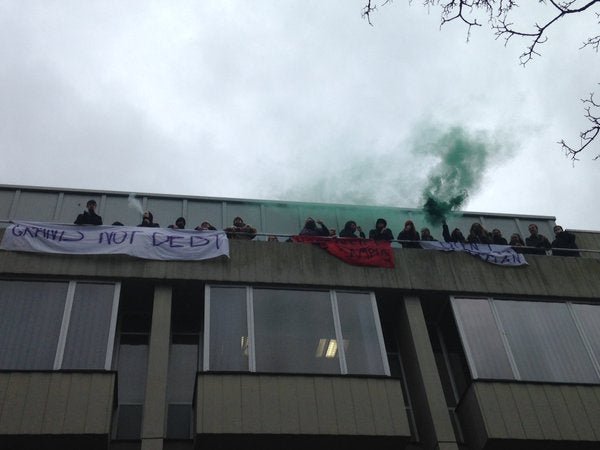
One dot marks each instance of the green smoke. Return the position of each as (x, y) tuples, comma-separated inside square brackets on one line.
[(462, 159), (436, 168)]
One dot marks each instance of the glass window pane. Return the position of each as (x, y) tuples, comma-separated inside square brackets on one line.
[(294, 332), (183, 366), (129, 422), (545, 342), (361, 342), (228, 329), (132, 368), (179, 421), (187, 311), (478, 328), (589, 317), (31, 314), (87, 337)]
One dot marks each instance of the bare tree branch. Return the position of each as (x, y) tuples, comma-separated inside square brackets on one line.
[(592, 114), (498, 14), (505, 29), (369, 8), (593, 41)]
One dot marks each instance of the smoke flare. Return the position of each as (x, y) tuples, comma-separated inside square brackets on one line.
[(441, 170), (462, 161), (134, 203)]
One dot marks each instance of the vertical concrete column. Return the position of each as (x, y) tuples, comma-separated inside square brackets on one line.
[(428, 401), (155, 407)]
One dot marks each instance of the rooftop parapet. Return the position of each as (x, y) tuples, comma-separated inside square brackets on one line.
[(269, 217)]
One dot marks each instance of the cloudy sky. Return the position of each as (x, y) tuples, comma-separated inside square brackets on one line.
[(290, 100)]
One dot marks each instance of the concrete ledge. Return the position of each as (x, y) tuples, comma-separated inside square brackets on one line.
[(301, 264)]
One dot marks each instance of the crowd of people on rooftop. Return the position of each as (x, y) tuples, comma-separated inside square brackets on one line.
[(536, 243)]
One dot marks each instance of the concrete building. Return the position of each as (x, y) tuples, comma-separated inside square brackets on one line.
[(284, 346)]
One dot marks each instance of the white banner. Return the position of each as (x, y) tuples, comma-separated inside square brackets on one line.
[(147, 243), (503, 255)]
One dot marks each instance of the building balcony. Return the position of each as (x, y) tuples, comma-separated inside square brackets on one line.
[(517, 415), (48, 410), (299, 411)]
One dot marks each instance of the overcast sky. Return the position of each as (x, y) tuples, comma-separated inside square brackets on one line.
[(289, 100)]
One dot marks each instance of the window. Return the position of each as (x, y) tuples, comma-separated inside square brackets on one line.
[(228, 330), (184, 357), (47, 325), (292, 331), (135, 318), (531, 341)]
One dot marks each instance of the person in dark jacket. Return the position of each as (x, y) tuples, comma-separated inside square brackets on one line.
[(517, 244), (311, 228), (497, 237), (409, 233), (240, 230), (538, 242), (350, 229), (516, 240), (426, 235), (148, 220), (456, 235), (89, 217), (179, 224), (563, 240), (381, 232), (479, 235)]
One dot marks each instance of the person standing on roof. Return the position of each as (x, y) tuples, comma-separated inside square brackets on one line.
[(89, 216), (240, 230), (456, 236), (409, 233), (350, 230), (563, 240), (179, 224), (148, 221), (539, 242), (311, 228), (381, 232)]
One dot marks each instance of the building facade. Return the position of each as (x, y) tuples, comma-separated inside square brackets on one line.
[(282, 345)]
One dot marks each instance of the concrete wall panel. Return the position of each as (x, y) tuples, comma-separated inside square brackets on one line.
[(36, 395), (325, 406), (300, 405), (37, 206), (43, 403), (590, 399), (521, 412), (287, 394), (383, 418), (526, 412), (307, 406), (578, 414), (301, 264), (250, 395), (232, 404)]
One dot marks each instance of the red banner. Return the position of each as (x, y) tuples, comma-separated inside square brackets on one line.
[(359, 252)]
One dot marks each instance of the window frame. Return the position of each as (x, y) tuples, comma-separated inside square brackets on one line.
[(472, 366), (249, 290), (59, 351)]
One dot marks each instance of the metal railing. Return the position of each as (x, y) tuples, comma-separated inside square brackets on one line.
[(285, 237)]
